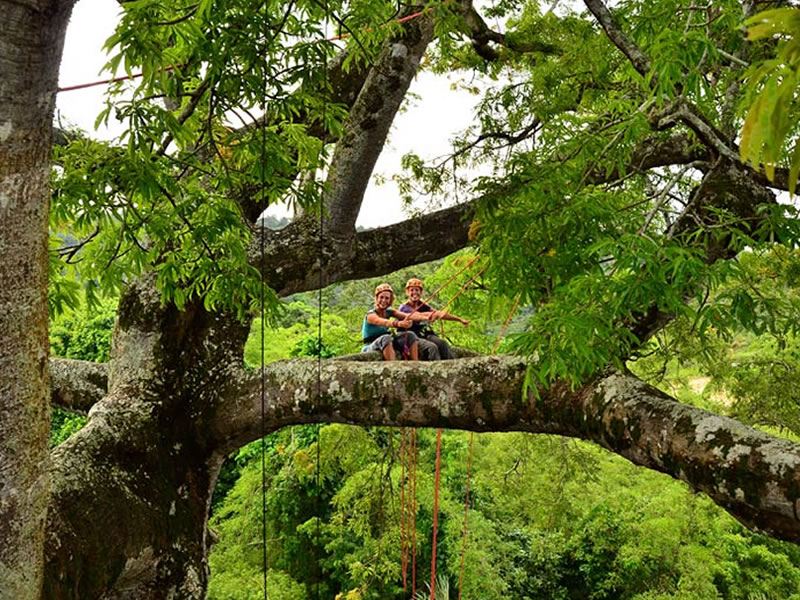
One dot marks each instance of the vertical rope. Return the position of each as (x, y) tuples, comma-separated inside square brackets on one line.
[(436, 510), (404, 515), (321, 253), (263, 176), (414, 512)]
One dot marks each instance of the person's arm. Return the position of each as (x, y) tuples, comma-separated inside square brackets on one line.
[(440, 314), (420, 316), (392, 321), (423, 313)]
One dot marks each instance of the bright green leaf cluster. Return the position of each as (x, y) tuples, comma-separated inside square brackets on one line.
[(771, 123)]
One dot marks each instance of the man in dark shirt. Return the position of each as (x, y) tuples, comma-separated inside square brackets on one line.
[(431, 346)]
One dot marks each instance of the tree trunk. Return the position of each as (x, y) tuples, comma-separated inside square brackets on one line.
[(29, 63), (131, 491)]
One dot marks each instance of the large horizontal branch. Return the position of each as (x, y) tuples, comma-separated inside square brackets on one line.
[(76, 385), (293, 255), (654, 152), (753, 475)]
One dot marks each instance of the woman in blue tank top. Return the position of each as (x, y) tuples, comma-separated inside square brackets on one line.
[(376, 329)]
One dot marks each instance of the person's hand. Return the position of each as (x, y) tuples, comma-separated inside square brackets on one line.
[(464, 322), (405, 323)]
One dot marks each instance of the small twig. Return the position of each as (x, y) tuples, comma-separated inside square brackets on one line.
[(663, 194), (71, 250)]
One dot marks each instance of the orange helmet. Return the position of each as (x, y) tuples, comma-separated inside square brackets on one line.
[(414, 282), (384, 287)]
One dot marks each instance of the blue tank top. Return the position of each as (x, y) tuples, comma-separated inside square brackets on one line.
[(370, 332)]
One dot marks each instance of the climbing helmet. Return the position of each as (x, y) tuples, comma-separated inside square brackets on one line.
[(414, 282)]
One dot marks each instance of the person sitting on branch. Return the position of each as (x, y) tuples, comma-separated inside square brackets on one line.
[(376, 333), (431, 345)]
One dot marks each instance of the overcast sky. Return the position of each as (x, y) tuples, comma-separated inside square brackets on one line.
[(426, 128)]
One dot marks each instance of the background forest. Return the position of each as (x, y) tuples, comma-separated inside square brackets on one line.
[(550, 518)]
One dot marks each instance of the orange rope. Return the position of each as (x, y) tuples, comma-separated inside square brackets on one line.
[(505, 325), (439, 446), (414, 512), (457, 273), (81, 86), (464, 287), (403, 515), (436, 510)]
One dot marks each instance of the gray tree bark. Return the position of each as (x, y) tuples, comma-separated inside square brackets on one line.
[(29, 61), (130, 492)]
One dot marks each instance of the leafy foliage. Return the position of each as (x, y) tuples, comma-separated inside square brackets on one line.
[(570, 221), (770, 125), (82, 333)]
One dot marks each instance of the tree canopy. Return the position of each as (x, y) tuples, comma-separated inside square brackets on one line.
[(614, 203)]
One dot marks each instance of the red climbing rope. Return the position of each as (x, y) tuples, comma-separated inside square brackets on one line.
[(413, 511), (436, 510), (81, 86), (403, 513)]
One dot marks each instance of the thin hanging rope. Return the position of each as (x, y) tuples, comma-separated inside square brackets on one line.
[(414, 512), (436, 510), (321, 252), (466, 514), (508, 320), (263, 175), (403, 513)]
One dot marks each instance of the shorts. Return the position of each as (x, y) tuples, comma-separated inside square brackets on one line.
[(404, 338)]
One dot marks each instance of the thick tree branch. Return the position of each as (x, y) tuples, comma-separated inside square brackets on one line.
[(482, 36), (753, 475), (653, 152), (368, 124), (77, 384), (345, 86), (638, 59), (293, 256)]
